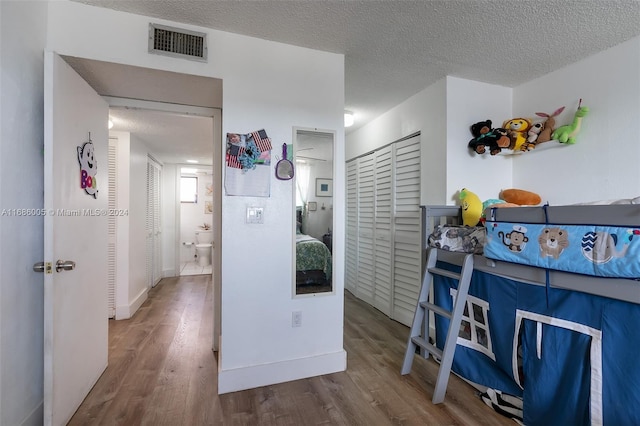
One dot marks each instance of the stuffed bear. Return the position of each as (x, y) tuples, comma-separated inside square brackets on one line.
[(484, 136), (518, 128)]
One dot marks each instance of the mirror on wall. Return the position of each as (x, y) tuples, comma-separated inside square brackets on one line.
[(313, 183)]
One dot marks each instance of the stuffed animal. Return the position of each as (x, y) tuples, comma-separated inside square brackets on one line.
[(534, 132), (471, 208), (549, 125), (484, 136), (517, 129), (520, 197), (568, 133)]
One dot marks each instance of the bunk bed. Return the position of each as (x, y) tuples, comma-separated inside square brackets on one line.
[(539, 324)]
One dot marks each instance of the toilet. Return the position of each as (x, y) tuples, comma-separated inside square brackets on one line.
[(204, 241)]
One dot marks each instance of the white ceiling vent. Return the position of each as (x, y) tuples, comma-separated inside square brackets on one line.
[(177, 42)]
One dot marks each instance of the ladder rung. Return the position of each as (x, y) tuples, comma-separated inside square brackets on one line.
[(444, 272), (427, 346), (437, 309)]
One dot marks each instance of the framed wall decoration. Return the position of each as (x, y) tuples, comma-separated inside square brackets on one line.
[(324, 187), (312, 206)]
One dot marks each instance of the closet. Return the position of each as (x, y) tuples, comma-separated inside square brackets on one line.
[(153, 226), (383, 239), (112, 252)]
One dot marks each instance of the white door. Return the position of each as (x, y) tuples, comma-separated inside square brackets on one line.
[(407, 238), (383, 232), (75, 230)]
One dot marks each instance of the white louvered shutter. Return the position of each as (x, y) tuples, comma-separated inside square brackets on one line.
[(149, 226), (112, 228), (351, 264), (157, 225), (383, 230), (153, 224), (366, 198), (407, 261)]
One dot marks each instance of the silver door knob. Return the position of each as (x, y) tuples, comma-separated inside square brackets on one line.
[(65, 265)]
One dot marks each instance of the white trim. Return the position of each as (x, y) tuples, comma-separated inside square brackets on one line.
[(539, 340), (169, 272), (127, 311), (34, 417), (139, 104), (595, 352), (473, 342), (254, 376)]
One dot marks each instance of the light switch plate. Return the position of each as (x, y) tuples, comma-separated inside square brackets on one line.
[(255, 214)]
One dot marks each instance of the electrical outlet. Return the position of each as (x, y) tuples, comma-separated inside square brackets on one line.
[(296, 319)]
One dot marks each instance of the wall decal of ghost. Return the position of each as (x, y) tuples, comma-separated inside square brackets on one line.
[(88, 168)]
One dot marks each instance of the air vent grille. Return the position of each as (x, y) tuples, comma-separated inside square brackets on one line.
[(177, 42)]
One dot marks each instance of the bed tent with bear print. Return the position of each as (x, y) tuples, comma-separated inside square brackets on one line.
[(553, 318)]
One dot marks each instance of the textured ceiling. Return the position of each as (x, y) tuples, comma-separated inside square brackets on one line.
[(394, 49)]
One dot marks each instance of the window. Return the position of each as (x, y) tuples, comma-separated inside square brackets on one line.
[(474, 327), (188, 189)]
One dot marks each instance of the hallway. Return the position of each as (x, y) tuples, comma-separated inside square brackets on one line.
[(162, 371)]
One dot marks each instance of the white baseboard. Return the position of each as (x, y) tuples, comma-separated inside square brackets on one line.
[(35, 417), (127, 311), (269, 374), (171, 272)]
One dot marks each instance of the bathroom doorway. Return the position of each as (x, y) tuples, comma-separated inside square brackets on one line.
[(195, 218)]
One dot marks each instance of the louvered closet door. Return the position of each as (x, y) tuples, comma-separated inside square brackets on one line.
[(149, 226), (153, 228), (157, 228), (112, 228), (407, 263), (383, 230), (366, 197), (351, 264)]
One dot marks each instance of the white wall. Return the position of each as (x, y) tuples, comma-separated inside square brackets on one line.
[(192, 216), (443, 113), (603, 164), (424, 112), (469, 102), (291, 87), (21, 186), (599, 167)]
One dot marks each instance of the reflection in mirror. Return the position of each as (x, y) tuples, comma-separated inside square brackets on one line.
[(314, 210)]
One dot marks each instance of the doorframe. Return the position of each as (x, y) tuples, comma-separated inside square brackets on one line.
[(216, 115)]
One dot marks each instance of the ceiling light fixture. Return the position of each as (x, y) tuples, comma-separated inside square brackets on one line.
[(348, 118), (192, 161)]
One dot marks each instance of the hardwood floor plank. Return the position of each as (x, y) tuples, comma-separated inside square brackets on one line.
[(162, 371)]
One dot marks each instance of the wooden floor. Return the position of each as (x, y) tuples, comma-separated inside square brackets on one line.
[(162, 371)]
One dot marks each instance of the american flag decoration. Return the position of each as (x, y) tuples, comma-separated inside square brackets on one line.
[(235, 151), (232, 160), (261, 140)]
